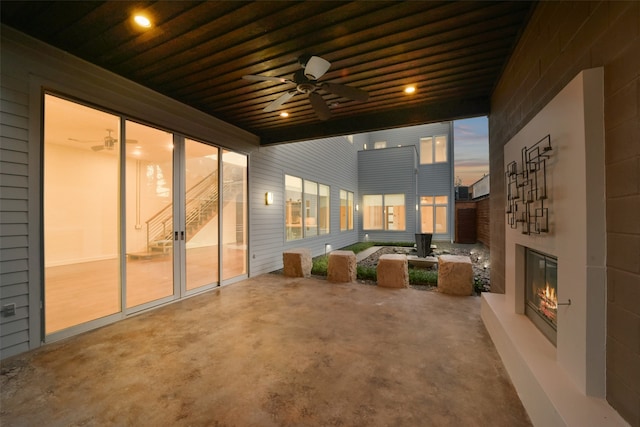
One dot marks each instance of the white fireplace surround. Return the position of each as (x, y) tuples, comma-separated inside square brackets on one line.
[(563, 385)]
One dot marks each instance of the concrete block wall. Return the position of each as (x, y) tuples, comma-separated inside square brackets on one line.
[(561, 39)]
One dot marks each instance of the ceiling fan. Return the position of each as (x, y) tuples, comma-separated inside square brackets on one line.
[(313, 67), (108, 142)]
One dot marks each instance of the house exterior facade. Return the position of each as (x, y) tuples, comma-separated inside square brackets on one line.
[(182, 190), (561, 40)]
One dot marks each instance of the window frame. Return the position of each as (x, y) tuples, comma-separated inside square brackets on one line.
[(346, 210), (434, 206), (310, 205), (381, 220), (432, 151)]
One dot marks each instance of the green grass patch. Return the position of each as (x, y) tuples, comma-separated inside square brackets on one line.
[(423, 277), (320, 265), (358, 247), (366, 273)]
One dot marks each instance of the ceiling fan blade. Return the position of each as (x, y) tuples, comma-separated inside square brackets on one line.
[(281, 100), (254, 78), (320, 106), (97, 147), (346, 91), (83, 141), (316, 67)]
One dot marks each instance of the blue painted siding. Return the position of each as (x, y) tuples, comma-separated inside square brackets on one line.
[(430, 180)]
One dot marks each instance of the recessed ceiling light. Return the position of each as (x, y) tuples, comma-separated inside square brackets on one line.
[(284, 114), (410, 89), (142, 21)]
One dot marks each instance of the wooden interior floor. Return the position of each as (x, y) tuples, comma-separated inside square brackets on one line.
[(82, 292)]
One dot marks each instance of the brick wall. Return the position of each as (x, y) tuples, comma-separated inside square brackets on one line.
[(483, 219), (561, 39)]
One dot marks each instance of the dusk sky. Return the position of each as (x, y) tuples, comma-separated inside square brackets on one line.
[(471, 149)]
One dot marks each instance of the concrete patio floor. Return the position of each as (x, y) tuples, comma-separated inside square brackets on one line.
[(272, 351)]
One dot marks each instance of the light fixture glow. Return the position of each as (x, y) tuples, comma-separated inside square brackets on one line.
[(268, 198), (409, 89), (284, 114), (142, 21)]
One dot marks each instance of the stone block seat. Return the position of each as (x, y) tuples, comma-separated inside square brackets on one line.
[(455, 275), (297, 262), (342, 267), (392, 271)]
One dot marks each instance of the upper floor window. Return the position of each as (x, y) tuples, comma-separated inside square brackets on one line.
[(379, 144), (433, 149)]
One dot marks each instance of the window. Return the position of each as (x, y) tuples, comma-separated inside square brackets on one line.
[(310, 208), (346, 210), (293, 207), (379, 144), (433, 149), (306, 208), (323, 210), (433, 211), (384, 212)]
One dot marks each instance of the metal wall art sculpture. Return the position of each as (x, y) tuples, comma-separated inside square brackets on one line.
[(527, 189)]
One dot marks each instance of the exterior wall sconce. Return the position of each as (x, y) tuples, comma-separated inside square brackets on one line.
[(268, 198), (357, 207)]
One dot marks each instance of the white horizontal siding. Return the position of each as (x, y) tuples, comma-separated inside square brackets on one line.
[(14, 201), (28, 66), (331, 162)]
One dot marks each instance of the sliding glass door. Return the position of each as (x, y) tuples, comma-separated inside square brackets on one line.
[(149, 214), (201, 202), (81, 214), (133, 216)]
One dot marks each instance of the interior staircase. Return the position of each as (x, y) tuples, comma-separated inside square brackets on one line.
[(201, 206)]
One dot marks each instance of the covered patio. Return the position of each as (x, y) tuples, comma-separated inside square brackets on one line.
[(273, 351)]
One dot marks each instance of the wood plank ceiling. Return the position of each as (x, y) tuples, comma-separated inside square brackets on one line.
[(197, 53)]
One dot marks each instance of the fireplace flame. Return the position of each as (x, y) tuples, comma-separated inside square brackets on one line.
[(548, 302)]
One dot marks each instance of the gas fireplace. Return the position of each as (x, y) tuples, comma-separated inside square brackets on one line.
[(541, 292)]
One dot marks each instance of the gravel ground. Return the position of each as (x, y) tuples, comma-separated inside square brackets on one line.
[(478, 253)]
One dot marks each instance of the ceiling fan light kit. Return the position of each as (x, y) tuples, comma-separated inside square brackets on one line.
[(313, 67), (316, 67)]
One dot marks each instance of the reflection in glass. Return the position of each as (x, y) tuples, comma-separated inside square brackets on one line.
[(81, 214), (201, 213), (149, 210), (234, 214), (372, 212), (293, 207)]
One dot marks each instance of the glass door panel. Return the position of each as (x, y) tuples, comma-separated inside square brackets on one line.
[(81, 214), (234, 214), (149, 214), (201, 214)]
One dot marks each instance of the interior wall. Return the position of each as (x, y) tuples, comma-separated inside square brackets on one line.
[(561, 39), (89, 232)]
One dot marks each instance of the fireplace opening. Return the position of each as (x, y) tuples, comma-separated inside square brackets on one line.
[(541, 290)]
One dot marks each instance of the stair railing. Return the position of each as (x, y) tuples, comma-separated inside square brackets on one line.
[(201, 195)]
